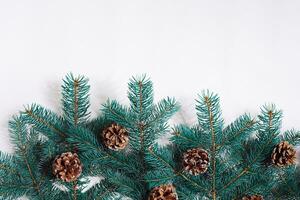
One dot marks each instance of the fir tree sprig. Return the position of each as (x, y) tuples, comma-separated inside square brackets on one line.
[(20, 173), (245, 159), (39, 136), (145, 122), (239, 154), (75, 101)]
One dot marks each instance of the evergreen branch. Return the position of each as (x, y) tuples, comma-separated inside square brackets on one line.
[(163, 111), (178, 134), (208, 103), (191, 181), (243, 172), (292, 136), (242, 125), (270, 114), (6, 162), (87, 142), (160, 179), (285, 183), (186, 138), (140, 123), (8, 168), (141, 129), (165, 163), (117, 113), (75, 93), (101, 196), (255, 184), (17, 128), (34, 181), (44, 121), (140, 94)]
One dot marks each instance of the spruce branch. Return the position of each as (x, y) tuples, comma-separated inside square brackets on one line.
[(39, 136), (144, 120), (270, 122), (75, 99), (44, 121), (238, 161), (23, 178)]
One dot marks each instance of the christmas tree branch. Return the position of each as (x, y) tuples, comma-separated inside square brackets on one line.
[(270, 114), (209, 119), (213, 145), (44, 121), (241, 127), (75, 93)]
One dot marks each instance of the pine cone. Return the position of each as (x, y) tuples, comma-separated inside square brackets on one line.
[(115, 137), (253, 197), (163, 192), (195, 161), (284, 154), (67, 167)]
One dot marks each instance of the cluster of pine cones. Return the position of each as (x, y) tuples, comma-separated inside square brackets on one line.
[(67, 166)]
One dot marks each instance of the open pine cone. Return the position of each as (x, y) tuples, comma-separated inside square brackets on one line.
[(67, 167), (284, 154), (115, 137), (253, 197), (163, 192), (195, 161)]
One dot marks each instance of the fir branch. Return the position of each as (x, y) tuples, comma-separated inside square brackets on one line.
[(140, 95), (75, 101), (44, 121), (117, 113), (163, 111), (21, 139), (270, 123), (209, 118), (88, 144), (144, 121), (292, 136), (173, 172), (238, 129)]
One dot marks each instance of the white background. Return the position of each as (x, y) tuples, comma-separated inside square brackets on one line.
[(246, 51)]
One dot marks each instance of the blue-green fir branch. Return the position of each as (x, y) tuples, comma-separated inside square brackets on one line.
[(75, 99), (44, 121), (144, 121)]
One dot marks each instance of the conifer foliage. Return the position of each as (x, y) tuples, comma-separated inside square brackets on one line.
[(57, 156), (122, 135), (44, 165), (213, 161)]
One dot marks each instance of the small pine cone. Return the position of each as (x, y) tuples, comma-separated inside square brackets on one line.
[(115, 137), (67, 167), (195, 161), (163, 192), (284, 154), (253, 197)]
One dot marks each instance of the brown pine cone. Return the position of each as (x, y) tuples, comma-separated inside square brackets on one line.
[(115, 137), (195, 161), (284, 154), (253, 197), (163, 192), (67, 167)]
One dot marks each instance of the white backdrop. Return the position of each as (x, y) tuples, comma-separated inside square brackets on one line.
[(246, 51)]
